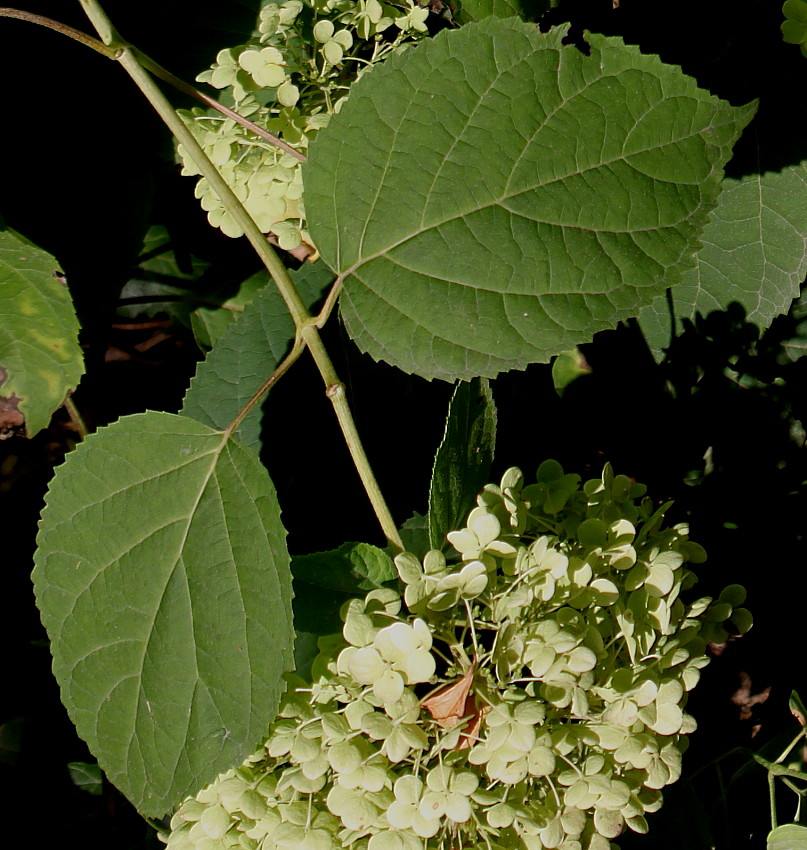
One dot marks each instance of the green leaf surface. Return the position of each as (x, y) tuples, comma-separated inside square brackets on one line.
[(209, 323), (306, 649), (462, 463), (352, 568), (247, 353), (493, 197), (567, 367), (163, 580), (40, 357), (162, 282), (791, 836), (324, 581), (415, 535), (86, 776), (475, 10), (754, 252)]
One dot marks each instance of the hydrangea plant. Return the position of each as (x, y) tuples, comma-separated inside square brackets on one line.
[(527, 691)]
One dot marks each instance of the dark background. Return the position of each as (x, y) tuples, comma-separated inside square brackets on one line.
[(87, 168)]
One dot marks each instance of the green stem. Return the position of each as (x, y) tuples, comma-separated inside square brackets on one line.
[(330, 303), (189, 90), (50, 24), (306, 326), (802, 792), (775, 769), (100, 20), (111, 52), (790, 746), (75, 417), (772, 797)]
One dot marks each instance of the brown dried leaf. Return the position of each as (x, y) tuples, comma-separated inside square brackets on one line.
[(448, 705), (745, 698), (470, 734)]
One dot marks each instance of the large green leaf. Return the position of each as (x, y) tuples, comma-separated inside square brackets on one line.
[(246, 354), (493, 197), (39, 352), (462, 463), (754, 252), (163, 580)]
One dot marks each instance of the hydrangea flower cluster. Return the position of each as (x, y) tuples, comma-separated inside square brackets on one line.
[(528, 694), (289, 78)]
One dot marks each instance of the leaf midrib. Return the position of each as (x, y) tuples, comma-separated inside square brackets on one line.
[(499, 202)]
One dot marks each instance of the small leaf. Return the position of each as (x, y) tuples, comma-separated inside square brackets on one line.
[(324, 581), (163, 580), (246, 354), (40, 358), (415, 535), (553, 195), (797, 708), (791, 836), (462, 464), (568, 366), (352, 568), (86, 776), (306, 649)]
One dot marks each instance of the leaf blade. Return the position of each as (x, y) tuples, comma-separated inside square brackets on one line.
[(326, 580), (474, 10), (417, 225), (753, 252), (170, 630), (39, 351)]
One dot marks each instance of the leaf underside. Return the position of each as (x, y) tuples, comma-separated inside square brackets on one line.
[(246, 354), (493, 197), (39, 348), (163, 580), (754, 253)]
